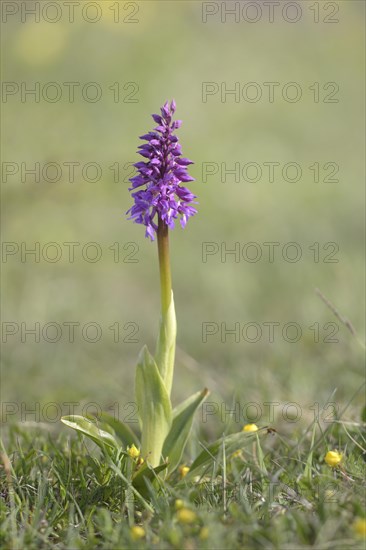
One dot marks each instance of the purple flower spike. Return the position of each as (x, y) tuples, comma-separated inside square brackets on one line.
[(161, 176)]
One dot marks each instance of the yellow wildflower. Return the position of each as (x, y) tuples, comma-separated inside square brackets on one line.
[(137, 532), (204, 533), (133, 451), (183, 470), (236, 454), (333, 458), (250, 428), (178, 504), (359, 527), (186, 516)]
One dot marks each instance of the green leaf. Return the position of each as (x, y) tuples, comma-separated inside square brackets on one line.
[(233, 442), (91, 429), (146, 472), (182, 423), (153, 406), (120, 430), (165, 346)]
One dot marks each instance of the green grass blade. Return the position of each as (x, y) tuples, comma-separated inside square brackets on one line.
[(233, 442)]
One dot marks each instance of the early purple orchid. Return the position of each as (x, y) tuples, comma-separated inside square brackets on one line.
[(163, 197)]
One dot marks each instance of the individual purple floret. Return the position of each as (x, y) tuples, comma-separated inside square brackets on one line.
[(161, 176)]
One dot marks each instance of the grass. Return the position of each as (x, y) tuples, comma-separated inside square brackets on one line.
[(277, 492)]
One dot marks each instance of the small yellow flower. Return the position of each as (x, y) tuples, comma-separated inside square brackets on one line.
[(359, 527), (178, 504), (333, 458), (186, 516), (236, 454), (250, 428), (133, 451), (204, 533), (183, 470), (137, 532)]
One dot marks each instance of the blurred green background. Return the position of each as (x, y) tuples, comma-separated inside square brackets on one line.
[(168, 53)]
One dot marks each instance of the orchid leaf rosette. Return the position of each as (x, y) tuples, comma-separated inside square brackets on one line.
[(160, 199)]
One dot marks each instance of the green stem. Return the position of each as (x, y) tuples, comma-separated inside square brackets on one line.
[(165, 348), (164, 265)]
